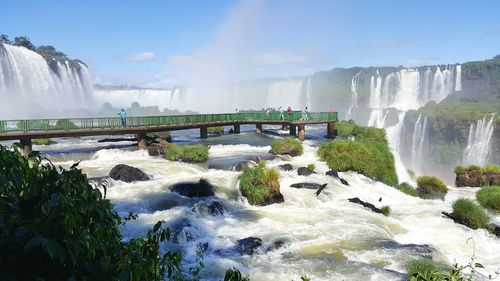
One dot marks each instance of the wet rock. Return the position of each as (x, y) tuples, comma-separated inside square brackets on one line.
[(307, 185), (304, 171), (231, 131), (491, 179), (333, 173), (202, 188), (278, 198), (127, 173), (414, 248), (370, 206), (343, 181), (496, 230), (320, 189), (182, 231), (255, 159), (242, 165), (469, 178), (286, 167), (278, 244), (212, 208), (248, 246), (155, 150)]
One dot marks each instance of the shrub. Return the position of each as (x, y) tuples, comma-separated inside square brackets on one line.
[(371, 134), (431, 187), (489, 197), (491, 169), (470, 214), (345, 128), (216, 130), (407, 189), (311, 167), (385, 210), (259, 184), (474, 168), (235, 275), (460, 169), (186, 153), (41, 141), (65, 124), (290, 146), (424, 268), (55, 221)]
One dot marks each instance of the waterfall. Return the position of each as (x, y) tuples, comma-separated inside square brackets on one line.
[(426, 94), (377, 118), (479, 142), (375, 91), (418, 142), (26, 77), (284, 93), (308, 92), (458, 79), (354, 97)]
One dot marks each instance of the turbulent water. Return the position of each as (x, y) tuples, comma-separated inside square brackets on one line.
[(27, 79), (479, 142), (325, 237)]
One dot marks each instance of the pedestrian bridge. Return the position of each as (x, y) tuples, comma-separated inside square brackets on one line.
[(26, 130)]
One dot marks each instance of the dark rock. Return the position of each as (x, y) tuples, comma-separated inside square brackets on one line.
[(414, 248), (231, 131), (286, 167), (333, 173), (202, 188), (278, 198), (304, 171), (242, 165), (182, 231), (212, 208), (154, 150), (320, 189), (307, 185), (127, 173), (255, 159), (370, 206), (247, 246), (469, 178), (491, 179), (343, 181), (496, 230), (277, 244)]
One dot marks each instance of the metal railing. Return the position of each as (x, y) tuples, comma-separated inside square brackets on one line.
[(146, 121)]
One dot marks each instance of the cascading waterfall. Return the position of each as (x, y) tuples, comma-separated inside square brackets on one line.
[(26, 77), (285, 92), (375, 91), (354, 97), (377, 118), (479, 142), (418, 142), (308, 92), (458, 79)]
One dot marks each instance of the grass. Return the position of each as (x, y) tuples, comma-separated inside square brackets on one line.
[(422, 267), (311, 167), (407, 189), (41, 141), (470, 214), (385, 210), (259, 184), (290, 146), (489, 197), (186, 153), (345, 128), (488, 169), (431, 187), (216, 130), (491, 169)]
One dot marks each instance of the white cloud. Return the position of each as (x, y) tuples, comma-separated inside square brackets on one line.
[(180, 60), (280, 57), (146, 56)]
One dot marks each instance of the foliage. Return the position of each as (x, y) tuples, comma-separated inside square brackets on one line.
[(424, 267), (407, 189), (289, 146), (311, 167), (345, 128), (385, 210), (186, 153), (5, 39), (470, 214), (460, 169), (41, 141), (65, 124), (371, 134), (235, 275), (430, 187), (215, 130), (259, 184), (24, 41), (489, 197), (65, 229), (491, 169)]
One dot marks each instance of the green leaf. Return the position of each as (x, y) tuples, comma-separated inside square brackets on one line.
[(34, 242), (478, 265), (157, 226)]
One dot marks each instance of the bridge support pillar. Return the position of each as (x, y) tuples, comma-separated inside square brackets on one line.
[(293, 130), (236, 129), (203, 132), (302, 132), (258, 128), (142, 140), (284, 126), (26, 147), (330, 130)]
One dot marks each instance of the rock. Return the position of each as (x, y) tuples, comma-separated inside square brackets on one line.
[(320, 189), (496, 230), (278, 198), (333, 173), (231, 131), (154, 150), (277, 244), (255, 159), (202, 188), (469, 178), (286, 167), (343, 181), (182, 231), (304, 171), (491, 179), (212, 208), (307, 185), (242, 165), (370, 206), (127, 173), (247, 246)]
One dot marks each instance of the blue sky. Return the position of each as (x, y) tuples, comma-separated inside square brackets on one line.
[(157, 43)]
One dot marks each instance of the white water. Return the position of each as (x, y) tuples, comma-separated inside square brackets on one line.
[(323, 243), (458, 79), (418, 142), (308, 92), (354, 97), (26, 78), (479, 141), (284, 93)]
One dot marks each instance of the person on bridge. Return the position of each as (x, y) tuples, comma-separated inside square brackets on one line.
[(290, 112), (282, 116), (123, 117), (305, 114)]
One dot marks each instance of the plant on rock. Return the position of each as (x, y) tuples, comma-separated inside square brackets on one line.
[(431, 187), (407, 189), (215, 130), (470, 214), (489, 197), (290, 146), (186, 153), (260, 185)]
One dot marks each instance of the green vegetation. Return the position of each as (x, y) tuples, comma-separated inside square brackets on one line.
[(491, 169), (259, 184), (385, 210), (368, 155), (186, 153), (41, 141), (488, 169), (311, 167), (470, 214), (345, 128), (235, 275), (215, 130), (431, 187), (65, 124), (424, 268), (290, 146), (489, 197), (407, 189)]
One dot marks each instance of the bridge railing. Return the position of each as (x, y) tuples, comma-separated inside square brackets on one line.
[(145, 121)]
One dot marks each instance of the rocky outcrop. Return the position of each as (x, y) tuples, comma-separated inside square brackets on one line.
[(495, 229), (277, 198), (343, 181), (202, 188), (370, 206), (475, 178), (491, 179), (242, 165), (307, 185), (127, 173), (211, 208), (333, 173), (304, 171), (286, 167), (247, 246)]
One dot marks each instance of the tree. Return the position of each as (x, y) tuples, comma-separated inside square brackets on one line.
[(24, 42), (4, 39)]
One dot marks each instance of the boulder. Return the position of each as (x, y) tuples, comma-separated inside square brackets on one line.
[(182, 231), (242, 165), (127, 173), (286, 167), (469, 178), (333, 173), (211, 208), (202, 188), (343, 181), (155, 150), (491, 179), (278, 198), (307, 185), (370, 206), (277, 244), (247, 246), (304, 171)]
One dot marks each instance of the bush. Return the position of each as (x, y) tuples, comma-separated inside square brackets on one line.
[(235, 275), (216, 130), (41, 141), (385, 210), (424, 268), (460, 169), (290, 146), (407, 189), (431, 187), (65, 229), (65, 124), (311, 167), (371, 134), (259, 184), (345, 128), (474, 168), (470, 214), (491, 169), (489, 197), (186, 153)]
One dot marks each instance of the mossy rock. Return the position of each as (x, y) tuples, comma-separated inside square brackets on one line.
[(489, 197), (430, 187), (186, 153), (470, 214), (260, 185), (289, 146)]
